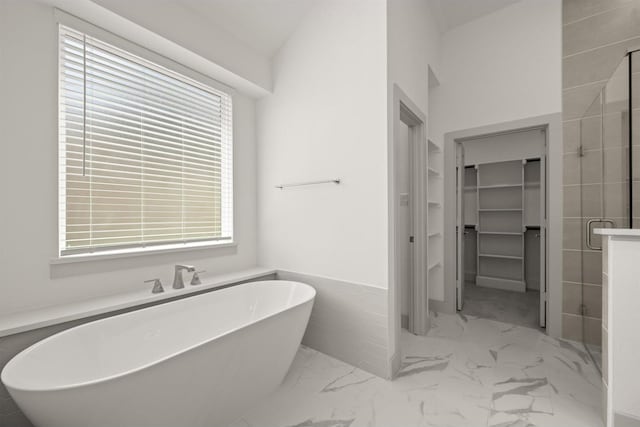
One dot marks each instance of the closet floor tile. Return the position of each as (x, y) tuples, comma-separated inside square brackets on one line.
[(519, 308)]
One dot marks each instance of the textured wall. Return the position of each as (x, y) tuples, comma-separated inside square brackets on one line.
[(596, 36)]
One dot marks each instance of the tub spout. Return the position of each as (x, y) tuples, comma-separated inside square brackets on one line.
[(178, 281)]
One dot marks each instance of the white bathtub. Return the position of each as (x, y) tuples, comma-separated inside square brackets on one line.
[(199, 361)]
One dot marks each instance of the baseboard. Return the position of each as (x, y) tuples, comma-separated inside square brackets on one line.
[(395, 365)]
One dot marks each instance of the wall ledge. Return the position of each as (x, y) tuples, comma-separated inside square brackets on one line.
[(34, 319)]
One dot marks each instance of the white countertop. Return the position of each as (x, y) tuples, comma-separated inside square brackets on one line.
[(618, 231), (34, 319)]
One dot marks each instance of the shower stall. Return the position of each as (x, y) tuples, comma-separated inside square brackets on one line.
[(608, 190)]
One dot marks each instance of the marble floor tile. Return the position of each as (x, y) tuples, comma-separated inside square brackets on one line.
[(467, 371), (519, 308)]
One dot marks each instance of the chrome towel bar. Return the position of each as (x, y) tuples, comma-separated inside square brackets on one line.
[(300, 184)]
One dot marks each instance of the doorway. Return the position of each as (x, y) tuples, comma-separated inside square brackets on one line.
[(501, 227), (408, 212)]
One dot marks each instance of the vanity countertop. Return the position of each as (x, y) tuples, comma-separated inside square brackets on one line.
[(632, 232), (33, 319)]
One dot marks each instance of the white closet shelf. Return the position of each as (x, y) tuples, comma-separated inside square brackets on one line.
[(501, 233), (433, 172), (518, 258), (433, 147), (500, 210), (434, 234), (501, 283), (492, 187), (433, 203)]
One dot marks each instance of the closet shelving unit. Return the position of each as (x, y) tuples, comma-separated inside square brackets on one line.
[(435, 217), (500, 225)]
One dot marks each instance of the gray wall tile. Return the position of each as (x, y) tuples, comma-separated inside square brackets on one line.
[(596, 35), (572, 327), (576, 101), (571, 266), (591, 133), (612, 26), (575, 294), (582, 201), (571, 136), (594, 65), (572, 10), (592, 267), (572, 230)]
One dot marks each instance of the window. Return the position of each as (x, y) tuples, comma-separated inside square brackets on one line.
[(145, 153)]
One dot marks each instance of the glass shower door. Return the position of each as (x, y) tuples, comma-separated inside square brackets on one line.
[(604, 191)]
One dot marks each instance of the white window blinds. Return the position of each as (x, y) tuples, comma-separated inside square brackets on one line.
[(145, 153)]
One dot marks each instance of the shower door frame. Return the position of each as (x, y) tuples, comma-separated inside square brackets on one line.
[(605, 219)]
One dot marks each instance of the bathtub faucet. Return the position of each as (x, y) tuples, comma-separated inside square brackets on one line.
[(178, 282)]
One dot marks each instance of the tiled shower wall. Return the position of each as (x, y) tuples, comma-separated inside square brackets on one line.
[(596, 36)]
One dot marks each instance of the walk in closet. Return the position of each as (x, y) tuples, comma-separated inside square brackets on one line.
[(502, 208)]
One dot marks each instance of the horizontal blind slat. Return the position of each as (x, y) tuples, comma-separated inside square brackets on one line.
[(155, 146)]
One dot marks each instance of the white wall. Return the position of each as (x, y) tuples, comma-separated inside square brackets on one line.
[(501, 148), (28, 181), (326, 119), (172, 30), (504, 66), (413, 44)]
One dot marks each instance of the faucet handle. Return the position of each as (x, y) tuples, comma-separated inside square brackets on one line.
[(195, 280), (157, 286)]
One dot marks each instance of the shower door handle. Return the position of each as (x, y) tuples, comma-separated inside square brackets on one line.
[(590, 230)]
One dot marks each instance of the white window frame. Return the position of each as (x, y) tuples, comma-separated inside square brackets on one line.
[(77, 24)]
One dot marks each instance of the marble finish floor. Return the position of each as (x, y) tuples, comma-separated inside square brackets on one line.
[(467, 372), (519, 308)]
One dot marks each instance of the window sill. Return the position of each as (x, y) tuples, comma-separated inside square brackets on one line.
[(135, 252)]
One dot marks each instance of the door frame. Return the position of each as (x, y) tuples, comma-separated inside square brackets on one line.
[(405, 110), (552, 123), (460, 223)]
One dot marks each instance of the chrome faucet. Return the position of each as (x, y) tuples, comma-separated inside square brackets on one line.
[(157, 286), (178, 282)]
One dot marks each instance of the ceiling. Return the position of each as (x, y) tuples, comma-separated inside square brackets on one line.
[(262, 25), (452, 13)]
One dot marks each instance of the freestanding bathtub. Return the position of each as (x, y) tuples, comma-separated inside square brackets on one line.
[(198, 361)]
